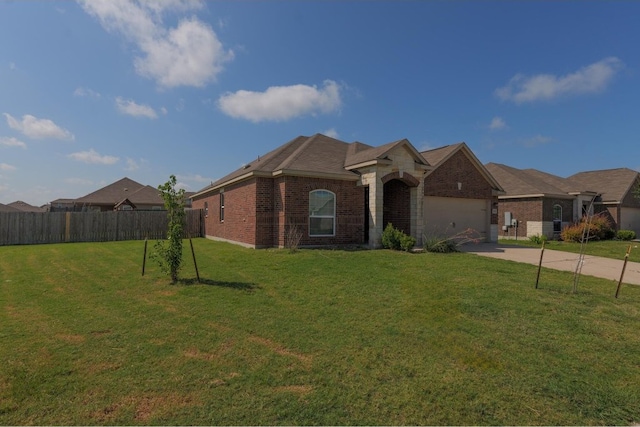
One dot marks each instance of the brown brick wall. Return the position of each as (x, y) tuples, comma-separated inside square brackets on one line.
[(239, 213), (349, 227), (443, 182), (397, 205), (547, 209), (257, 211), (527, 209)]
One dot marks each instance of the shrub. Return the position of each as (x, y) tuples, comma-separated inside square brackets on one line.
[(407, 242), (625, 235), (395, 239), (439, 245), (538, 239), (597, 227)]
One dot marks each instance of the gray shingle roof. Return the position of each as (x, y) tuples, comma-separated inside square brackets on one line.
[(612, 184), (7, 208), (120, 190), (25, 207), (318, 154), (522, 182)]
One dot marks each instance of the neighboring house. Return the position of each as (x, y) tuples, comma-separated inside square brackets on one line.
[(124, 194), (329, 192), (26, 207), (539, 203), (616, 188), (7, 208), (62, 205)]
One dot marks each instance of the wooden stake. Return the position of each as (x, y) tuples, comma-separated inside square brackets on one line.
[(193, 254), (540, 265), (144, 258), (624, 266)]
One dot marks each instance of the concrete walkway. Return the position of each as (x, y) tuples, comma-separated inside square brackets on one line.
[(606, 268)]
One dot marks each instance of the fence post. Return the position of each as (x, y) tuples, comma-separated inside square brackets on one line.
[(67, 227)]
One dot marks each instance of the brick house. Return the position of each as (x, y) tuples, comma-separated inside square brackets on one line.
[(124, 194), (335, 193), (543, 204)]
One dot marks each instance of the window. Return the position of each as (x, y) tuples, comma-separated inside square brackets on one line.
[(221, 207), (322, 213), (557, 218), (206, 209)]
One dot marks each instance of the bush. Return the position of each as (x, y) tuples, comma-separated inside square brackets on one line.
[(439, 245), (538, 239), (625, 235), (395, 239), (597, 227)]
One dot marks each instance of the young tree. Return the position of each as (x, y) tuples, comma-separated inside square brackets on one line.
[(169, 253)]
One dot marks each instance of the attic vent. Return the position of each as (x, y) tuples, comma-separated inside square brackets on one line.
[(126, 189), (246, 166)]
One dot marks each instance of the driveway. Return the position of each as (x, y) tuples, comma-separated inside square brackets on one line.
[(605, 268)]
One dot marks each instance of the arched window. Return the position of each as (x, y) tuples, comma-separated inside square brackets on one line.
[(557, 218), (322, 213)]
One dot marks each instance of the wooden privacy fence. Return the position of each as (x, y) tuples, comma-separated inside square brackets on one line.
[(24, 228)]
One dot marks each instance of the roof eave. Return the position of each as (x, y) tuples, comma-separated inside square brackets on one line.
[(373, 162), (350, 176), (536, 195)]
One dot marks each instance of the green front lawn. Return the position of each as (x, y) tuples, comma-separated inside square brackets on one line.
[(314, 337)]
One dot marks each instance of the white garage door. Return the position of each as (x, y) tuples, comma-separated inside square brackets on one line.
[(446, 216)]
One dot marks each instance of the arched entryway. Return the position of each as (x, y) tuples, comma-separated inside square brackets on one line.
[(396, 205)]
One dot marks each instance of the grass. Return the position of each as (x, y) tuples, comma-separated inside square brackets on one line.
[(605, 248), (308, 338)]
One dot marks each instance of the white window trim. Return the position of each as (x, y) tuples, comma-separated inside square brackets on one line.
[(333, 217)]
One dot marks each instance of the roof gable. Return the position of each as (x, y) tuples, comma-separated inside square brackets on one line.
[(374, 154), (439, 156), (112, 193)]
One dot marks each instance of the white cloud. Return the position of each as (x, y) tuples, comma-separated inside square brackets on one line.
[(93, 157), (132, 165), (36, 128), (86, 92), (497, 123), (7, 168), (535, 141), (12, 142), (331, 133), (188, 55), (590, 79), (280, 103), (129, 107)]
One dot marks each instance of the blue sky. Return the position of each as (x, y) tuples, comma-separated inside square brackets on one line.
[(93, 91)]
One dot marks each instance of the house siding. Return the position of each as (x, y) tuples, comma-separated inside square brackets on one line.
[(443, 182), (524, 210), (259, 211), (349, 223)]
